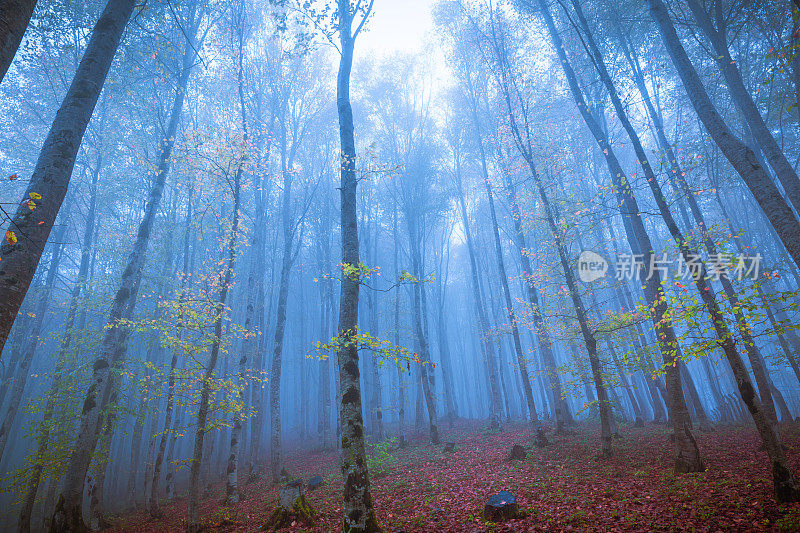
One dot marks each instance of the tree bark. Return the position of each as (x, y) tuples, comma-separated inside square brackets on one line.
[(357, 512), (14, 18)]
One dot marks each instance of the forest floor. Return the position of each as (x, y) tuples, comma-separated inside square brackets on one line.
[(562, 487)]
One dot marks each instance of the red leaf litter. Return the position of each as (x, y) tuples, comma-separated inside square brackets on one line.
[(563, 487)]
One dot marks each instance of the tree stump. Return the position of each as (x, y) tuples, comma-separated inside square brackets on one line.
[(292, 507), (501, 506), (449, 447), (517, 453), (541, 439)]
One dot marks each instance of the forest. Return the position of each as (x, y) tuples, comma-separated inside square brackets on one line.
[(399, 265)]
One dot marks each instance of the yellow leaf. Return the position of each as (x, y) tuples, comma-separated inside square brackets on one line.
[(11, 237), (35, 195)]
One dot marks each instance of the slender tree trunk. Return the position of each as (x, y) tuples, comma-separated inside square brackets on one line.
[(357, 512), (232, 482), (512, 318), (280, 327), (523, 144), (44, 431), (166, 434), (542, 336), (478, 300), (68, 516), (626, 386), (48, 184), (421, 334), (401, 387), (687, 455), (444, 350), (193, 523)]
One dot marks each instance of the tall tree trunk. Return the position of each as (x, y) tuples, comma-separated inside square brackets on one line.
[(542, 336), (232, 482), (48, 184), (326, 312), (522, 142), (420, 323), (512, 318), (257, 421), (166, 434), (68, 516), (357, 512), (444, 351), (401, 386), (43, 432), (687, 455), (280, 328), (478, 300)]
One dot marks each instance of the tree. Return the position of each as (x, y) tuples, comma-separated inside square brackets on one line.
[(31, 225), (357, 512), (736, 152), (68, 515)]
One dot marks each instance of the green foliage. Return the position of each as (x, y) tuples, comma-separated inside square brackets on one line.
[(362, 340), (379, 460)]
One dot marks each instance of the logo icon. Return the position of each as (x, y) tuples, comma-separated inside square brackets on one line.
[(591, 266)]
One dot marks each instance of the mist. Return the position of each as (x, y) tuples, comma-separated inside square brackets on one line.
[(369, 265)]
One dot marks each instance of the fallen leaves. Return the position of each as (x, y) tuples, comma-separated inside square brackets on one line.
[(562, 487)]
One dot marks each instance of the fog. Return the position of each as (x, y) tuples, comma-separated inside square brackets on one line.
[(238, 234)]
